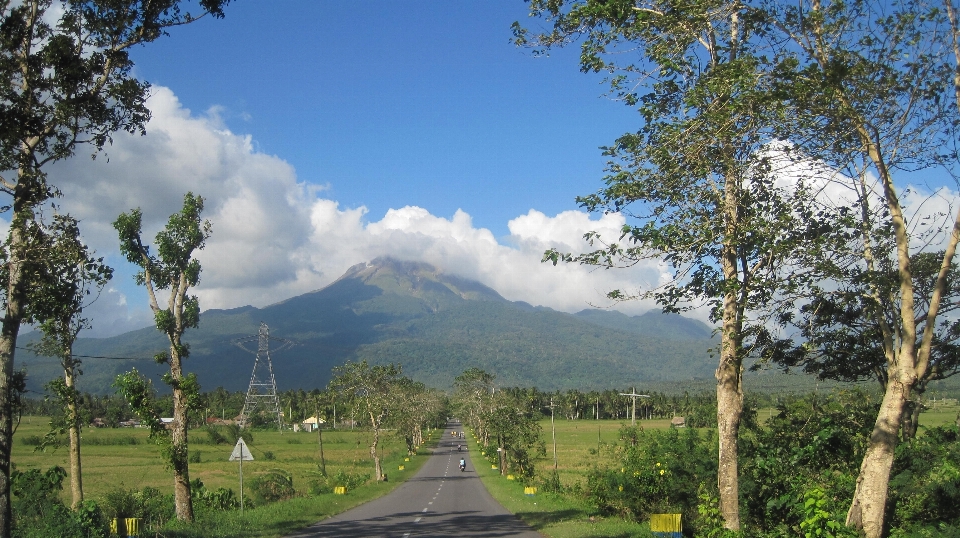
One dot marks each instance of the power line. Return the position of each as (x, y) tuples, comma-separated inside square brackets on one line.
[(90, 356)]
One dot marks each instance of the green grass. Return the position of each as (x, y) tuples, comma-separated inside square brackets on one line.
[(126, 458), (562, 516), (939, 415)]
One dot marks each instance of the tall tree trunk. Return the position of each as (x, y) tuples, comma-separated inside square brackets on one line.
[(870, 498), (730, 369), (16, 298), (729, 410), (73, 432), (377, 470), (8, 342), (181, 467)]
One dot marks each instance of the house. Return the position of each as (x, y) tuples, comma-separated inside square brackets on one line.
[(311, 424), (678, 422)]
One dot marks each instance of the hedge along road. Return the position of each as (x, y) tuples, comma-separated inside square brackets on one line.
[(438, 501)]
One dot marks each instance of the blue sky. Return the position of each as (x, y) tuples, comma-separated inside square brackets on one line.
[(395, 103)]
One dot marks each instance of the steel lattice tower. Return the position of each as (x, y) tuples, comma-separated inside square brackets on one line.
[(262, 390)]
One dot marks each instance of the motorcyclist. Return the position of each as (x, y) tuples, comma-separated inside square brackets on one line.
[(459, 448), (463, 464)]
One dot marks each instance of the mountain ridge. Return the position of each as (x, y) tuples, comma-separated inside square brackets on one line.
[(435, 324)]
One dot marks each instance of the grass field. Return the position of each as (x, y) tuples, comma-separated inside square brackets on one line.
[(126, 458)]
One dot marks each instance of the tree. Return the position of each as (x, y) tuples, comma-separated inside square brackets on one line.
[(517, 433), (417, 407), (172, 268), (699, 177), (873, 87), (372, 390), (61, 293), (840, 337), (474, 395), (65, 80)]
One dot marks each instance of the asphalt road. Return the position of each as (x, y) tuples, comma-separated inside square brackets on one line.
[(438, 501)]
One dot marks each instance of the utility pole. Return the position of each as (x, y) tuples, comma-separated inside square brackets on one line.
[(554, 431), (633, 394)]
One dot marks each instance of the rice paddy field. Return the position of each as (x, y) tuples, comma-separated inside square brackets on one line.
[(126, 458)]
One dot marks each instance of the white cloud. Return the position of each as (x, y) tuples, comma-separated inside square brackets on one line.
[(274, 237)]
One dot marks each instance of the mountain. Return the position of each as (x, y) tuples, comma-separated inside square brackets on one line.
[(435, 324)]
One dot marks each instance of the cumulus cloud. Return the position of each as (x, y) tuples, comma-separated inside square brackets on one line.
[(275, 237)]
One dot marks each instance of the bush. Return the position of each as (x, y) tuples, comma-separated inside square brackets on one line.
[(925, 483), (32, 440), (38, 511), (194, 456), (655, 472), (148, 504), (325, 484), (215, 435), (812, 443), (274, 485), (220, 499)]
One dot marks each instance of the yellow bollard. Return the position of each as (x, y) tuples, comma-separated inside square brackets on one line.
[(128, 527), (667, 525), (530, 490), (340, 490), (133, 527)]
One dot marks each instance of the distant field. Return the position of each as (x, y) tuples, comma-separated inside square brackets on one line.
[(939, 415), (126, 458), (578, 442)]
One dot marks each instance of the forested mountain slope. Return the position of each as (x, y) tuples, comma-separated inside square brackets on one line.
[(435, 324)]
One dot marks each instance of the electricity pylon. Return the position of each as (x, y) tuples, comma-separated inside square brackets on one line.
[(262, 390)]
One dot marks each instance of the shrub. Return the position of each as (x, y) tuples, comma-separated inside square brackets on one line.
[(274, 485), (148, 504), (31, 440), (925, 483), (215, 435), (325, 484), (812, 443), (220, 499), (655, 472), (38, 511)]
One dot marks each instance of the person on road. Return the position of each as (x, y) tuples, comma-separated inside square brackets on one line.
[(463, 464)]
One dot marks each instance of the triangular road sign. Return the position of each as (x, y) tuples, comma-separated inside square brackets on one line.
[(241, 452)]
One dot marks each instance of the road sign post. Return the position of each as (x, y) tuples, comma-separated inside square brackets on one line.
[(241, 453)]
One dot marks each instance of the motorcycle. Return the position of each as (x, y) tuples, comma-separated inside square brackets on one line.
[(463, 466)]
